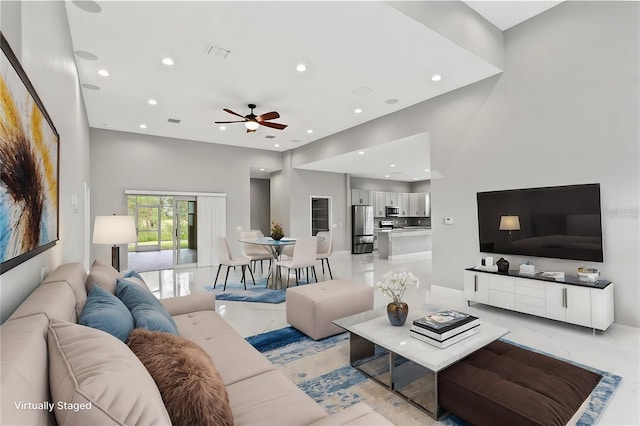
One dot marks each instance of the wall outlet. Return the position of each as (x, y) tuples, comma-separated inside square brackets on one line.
[(448, 221)]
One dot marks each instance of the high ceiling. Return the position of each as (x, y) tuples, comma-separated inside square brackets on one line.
[(358, 55)]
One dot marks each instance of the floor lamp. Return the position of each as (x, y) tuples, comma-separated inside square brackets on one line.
[(114, 230)]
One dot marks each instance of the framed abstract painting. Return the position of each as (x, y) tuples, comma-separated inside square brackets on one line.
[(29, 167)]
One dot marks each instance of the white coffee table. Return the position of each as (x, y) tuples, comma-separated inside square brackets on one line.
[(405, 365)]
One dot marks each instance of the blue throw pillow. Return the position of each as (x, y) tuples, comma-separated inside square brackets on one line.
[(134, 274), (146, 309), (106, 312)]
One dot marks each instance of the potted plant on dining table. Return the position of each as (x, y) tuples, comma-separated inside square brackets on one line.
[(394, 285), (276, 231)]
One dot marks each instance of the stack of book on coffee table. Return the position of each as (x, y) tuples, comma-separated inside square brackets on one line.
[(443, 329)]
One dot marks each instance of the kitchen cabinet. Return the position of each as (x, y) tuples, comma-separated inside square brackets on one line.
[(570, 300), (420, 204), (379, 204), (413, 204), (360, 197), (391, 199), (403, 203)]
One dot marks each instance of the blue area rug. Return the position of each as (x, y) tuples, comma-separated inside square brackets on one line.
[(321, 368), (254, 293)]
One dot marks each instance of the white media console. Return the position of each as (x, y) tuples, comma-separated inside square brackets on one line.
[(589, 304)]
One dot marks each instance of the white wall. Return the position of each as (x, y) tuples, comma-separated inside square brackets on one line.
[(260, 205), (38, 33), (121, 161), (380, 185), (564, 111), (306, 183)]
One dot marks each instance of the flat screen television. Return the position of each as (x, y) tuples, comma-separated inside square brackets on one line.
[(561, 222)]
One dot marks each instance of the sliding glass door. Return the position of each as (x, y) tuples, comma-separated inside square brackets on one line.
[(148, 219), (185, 223)]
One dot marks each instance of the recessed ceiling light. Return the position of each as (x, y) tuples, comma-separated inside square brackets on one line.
[(392, 165), (104, 73), (90, 86), (276, 145), (310, 131), (167, 61), (222, 128), (88, 6), (143, 126), (301, 68), (361, 152), (391, 101), (357, 110), (415, 178), (152, 102), (262, 170), (426, 170), (436, 77), (86, 55), (386, 175)]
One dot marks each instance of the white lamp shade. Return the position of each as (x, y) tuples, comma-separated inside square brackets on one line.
[(509, 223), (114, 230), (251, 125)]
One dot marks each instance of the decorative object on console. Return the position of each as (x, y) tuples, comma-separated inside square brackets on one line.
[(528, 268), (588, 274), (29, 155), (503, 265), (558, 276), (114, 230), (276, 230), (394, 285)]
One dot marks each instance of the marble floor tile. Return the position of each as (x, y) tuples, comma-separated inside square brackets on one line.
[(615, 351)]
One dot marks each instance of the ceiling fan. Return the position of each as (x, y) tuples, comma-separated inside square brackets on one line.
[(252, 121)]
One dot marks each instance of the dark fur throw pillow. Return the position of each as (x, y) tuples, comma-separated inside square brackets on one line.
[(190, 385)]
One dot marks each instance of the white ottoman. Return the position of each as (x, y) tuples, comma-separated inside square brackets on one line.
[(312, 307)]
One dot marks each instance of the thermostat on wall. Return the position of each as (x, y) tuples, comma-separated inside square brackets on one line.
[(448, 221)]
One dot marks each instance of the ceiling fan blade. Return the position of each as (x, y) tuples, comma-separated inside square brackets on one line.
[(234, 113), (273, 125), (227, 122), (268, 116)]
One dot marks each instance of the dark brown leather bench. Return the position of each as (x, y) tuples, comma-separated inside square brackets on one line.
[(502, 384)]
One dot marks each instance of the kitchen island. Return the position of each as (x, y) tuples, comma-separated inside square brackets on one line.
[(404, 241)]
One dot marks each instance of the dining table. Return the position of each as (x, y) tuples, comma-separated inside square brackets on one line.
[(274, 247)]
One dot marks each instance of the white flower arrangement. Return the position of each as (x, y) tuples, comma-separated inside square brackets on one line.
[(394, 284)]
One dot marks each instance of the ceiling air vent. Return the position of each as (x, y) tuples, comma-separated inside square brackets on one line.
[(269, 137), (174, 120), (216, 51)]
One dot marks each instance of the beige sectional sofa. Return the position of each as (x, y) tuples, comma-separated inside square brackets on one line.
[(32, 370)]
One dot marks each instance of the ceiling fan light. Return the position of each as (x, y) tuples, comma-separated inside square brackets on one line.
[(251, 125)]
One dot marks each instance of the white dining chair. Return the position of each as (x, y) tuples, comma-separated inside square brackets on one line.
[(288, 251), (325, 249), (226, 258), (255, 252), (304, 256)]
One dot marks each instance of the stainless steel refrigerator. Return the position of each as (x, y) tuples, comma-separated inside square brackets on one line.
[(362, 229)]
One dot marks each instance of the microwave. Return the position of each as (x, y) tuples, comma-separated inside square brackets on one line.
[(391, 211)]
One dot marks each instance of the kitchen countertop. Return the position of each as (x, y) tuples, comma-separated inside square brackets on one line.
[(403, 241)]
